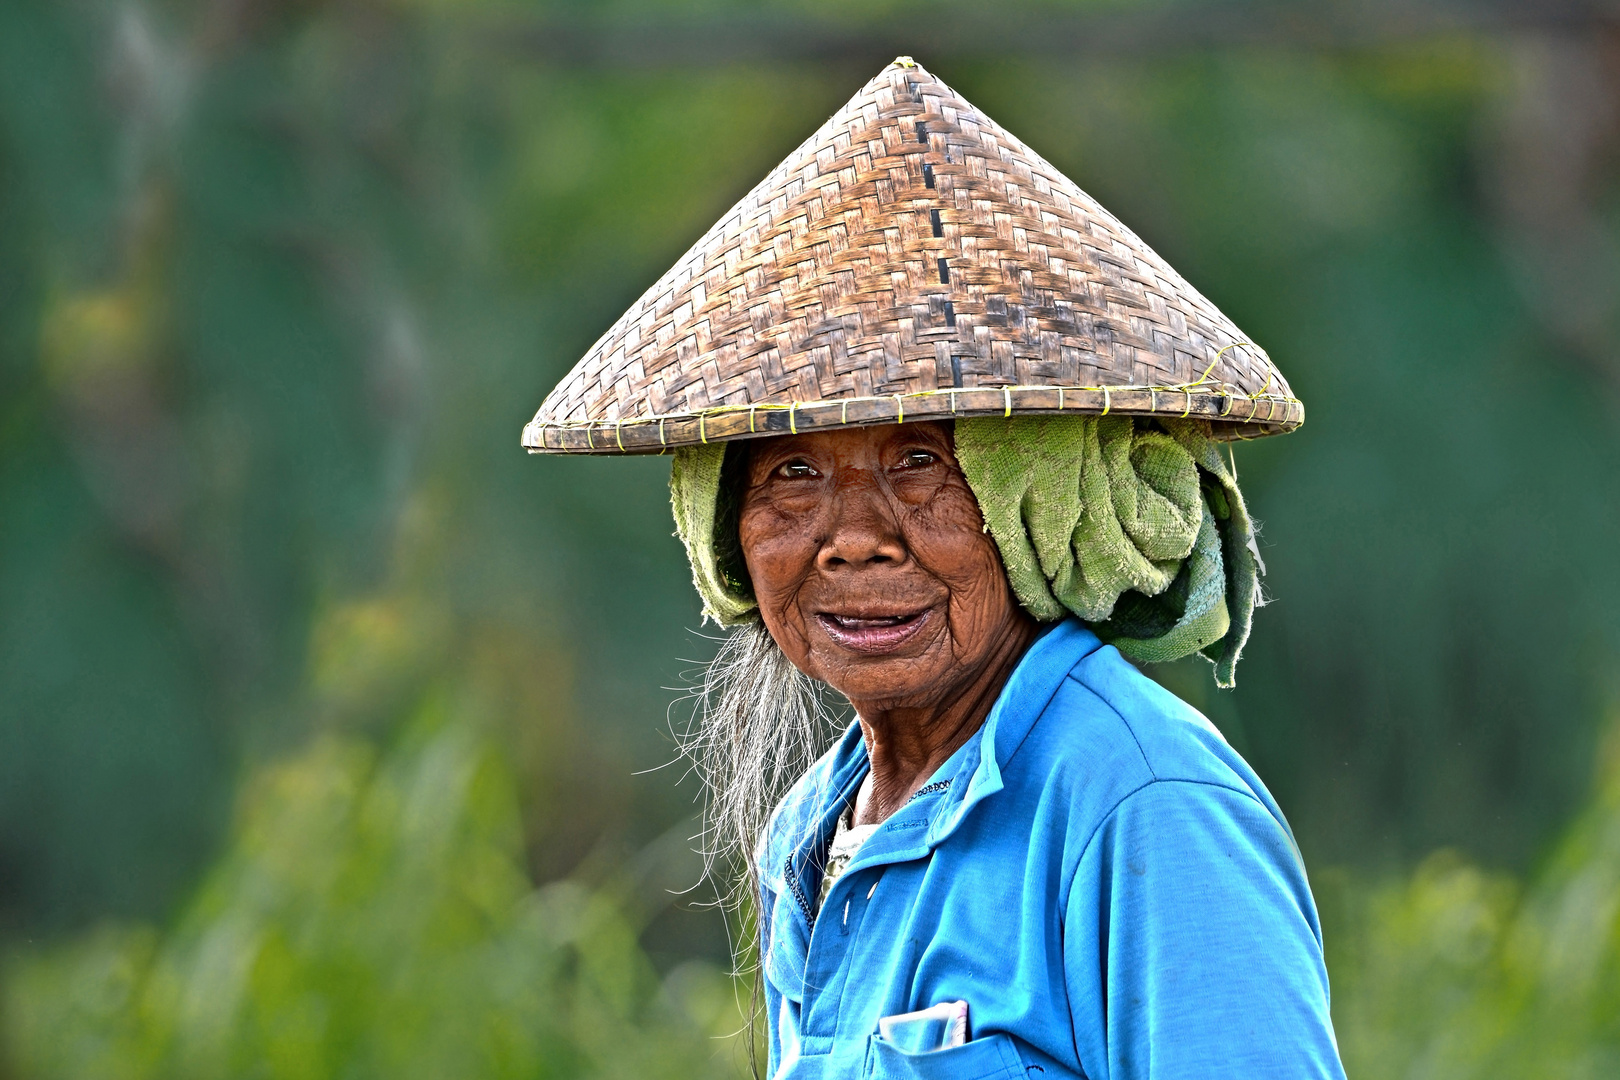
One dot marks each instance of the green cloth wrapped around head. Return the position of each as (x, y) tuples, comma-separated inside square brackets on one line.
[(1136, 527)]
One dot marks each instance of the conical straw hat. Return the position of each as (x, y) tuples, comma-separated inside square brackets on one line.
[(910, 261)]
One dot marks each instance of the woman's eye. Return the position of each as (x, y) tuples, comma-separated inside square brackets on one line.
[(917, 459), (795, 470)]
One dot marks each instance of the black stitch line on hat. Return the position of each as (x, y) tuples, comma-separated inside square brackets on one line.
[(944, 272), (939, 226), (928, 176)]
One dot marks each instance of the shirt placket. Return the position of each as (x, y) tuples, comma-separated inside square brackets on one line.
[(836, 942)]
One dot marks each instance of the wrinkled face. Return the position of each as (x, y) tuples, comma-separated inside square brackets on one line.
[(870, 562)]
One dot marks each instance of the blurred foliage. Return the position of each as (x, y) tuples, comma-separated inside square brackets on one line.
[(280, 282), (1459, 973), (372, 917)]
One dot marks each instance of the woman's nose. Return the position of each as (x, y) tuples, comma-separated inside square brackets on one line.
[(863, 529)]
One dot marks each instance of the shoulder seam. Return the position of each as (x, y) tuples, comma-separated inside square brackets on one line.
[(1073, 872), (1093, 692)]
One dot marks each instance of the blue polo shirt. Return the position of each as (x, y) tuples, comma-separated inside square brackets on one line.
[(1101, 878)]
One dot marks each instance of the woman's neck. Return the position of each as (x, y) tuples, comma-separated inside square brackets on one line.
[(907, 744)]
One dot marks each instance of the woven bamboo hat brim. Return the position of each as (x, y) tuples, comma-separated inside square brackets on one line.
[(910, 261)]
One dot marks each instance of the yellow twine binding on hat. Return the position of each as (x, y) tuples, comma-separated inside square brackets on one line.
[(1279, 408)]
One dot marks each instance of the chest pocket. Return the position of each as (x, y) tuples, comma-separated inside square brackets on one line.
[(990, 1058)]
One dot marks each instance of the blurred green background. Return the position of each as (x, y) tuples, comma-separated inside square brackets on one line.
[(325, 713)]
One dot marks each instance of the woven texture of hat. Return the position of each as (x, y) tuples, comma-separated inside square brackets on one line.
[(911, 260)]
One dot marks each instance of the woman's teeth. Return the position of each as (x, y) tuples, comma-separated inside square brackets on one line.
[(852, 622)]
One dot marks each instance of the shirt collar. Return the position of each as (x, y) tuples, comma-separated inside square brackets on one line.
[(1029, 690), (810, 811)]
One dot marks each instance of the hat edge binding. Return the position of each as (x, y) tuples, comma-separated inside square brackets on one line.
[(1232, 416)]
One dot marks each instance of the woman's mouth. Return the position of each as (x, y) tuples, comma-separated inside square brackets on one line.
[(872, 634)]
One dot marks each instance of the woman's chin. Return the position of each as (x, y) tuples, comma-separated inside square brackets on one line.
[(895, 679)]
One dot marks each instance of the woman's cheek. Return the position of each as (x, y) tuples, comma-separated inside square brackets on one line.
[(947, 537), (778, 566), (781, 554), (769, 534), (967, 561), (952, 508)]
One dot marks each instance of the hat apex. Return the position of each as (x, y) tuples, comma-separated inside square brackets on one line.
[(911, 260)]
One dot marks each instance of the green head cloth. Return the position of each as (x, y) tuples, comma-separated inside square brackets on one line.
[(1137, 528)]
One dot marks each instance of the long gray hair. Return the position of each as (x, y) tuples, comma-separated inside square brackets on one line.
[(758, 724)]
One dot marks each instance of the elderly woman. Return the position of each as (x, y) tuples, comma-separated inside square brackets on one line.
[(946, 440)]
